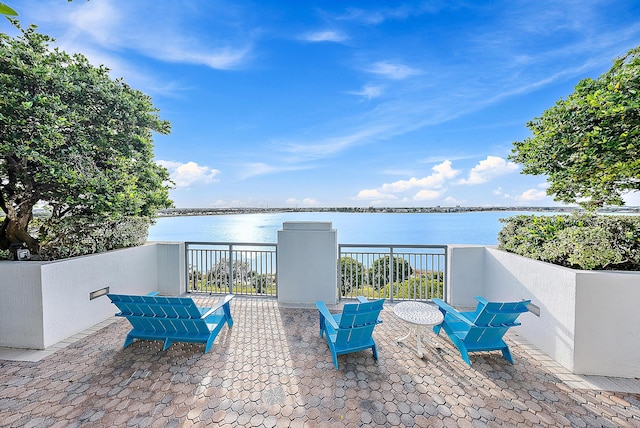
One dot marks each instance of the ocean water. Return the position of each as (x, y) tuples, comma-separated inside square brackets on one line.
[(480, 227)]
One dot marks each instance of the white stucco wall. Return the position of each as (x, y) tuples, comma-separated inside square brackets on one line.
[(307, 263), (588, 319), (42, 303), (550, 287), (465, 273), (21, 314), (171, 278), (607, 341)]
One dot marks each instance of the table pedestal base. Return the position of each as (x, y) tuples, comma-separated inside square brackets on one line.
[(416, 330)]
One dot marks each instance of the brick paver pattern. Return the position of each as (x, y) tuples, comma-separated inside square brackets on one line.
[(273, 370)]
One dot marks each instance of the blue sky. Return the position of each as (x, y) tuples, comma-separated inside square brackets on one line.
[(345, 103)]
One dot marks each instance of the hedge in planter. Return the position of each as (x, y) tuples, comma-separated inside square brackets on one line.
[(581, 241)]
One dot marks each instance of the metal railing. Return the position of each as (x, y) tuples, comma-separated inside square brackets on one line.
[(238, 268), (395, 272)]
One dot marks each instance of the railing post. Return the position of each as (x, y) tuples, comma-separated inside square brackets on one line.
[(391, 271), (230, 266)]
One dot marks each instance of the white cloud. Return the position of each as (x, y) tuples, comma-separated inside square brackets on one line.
[(532, 195), (190, 173), (429, 187), (325, 36), (369, 91), (306, 202), (427, 195), (332, 145), (488, 169), (105, 29), (442, 173), (500, 192), (260, 168), (370, 194), (392, 71), (450, 200)]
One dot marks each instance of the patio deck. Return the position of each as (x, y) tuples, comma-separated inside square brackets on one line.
[(272, 369)]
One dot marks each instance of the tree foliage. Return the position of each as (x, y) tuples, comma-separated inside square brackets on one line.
[(219, 276), (352, 274), (6, 10), (74, 139), (588, 145), (381, 271)]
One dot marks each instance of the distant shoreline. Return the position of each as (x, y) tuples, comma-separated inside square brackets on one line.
[(177, 212)]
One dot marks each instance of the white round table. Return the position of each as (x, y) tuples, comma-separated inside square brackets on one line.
[(419, 315)]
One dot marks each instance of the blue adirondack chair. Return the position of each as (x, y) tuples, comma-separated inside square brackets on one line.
[(482, 329), (351, 330), (172, 319)]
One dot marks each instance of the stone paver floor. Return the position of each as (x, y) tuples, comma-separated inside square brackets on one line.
[(272, 369)]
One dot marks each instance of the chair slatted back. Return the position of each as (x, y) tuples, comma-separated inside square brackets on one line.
[(493, 319), (158, 306), (499, 313), (358, 321), (161, 313)]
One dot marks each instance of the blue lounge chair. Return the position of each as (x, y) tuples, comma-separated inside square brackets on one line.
[(351, 330), (482, 329), (172, 319)]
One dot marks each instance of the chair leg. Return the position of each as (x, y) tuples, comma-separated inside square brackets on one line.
[(465, 356), (127, 341), (460, 345), (335, 360), (321, 325), (167, 343), (506, 353), (209, 343), (374, 348)]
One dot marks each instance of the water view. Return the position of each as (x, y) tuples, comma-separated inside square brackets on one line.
[(354, 228)]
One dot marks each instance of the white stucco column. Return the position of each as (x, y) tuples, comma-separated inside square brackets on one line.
[(307, 263)]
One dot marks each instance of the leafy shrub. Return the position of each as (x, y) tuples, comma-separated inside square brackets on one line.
[(425, 286), (352, 274), (380, 272), (88, 235), (581, 241)]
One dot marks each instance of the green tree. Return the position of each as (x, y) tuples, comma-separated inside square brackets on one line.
[(352, 274), (263, 282), (380, 272), (219, 275), (588, 145), (75, 139)]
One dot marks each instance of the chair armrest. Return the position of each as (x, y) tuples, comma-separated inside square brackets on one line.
[(362, 299), (481, 300), (218, 305), (153, 293), (324, 311), (449, 310)]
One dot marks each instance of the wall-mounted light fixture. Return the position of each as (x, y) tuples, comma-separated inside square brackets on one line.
[(98, 293)]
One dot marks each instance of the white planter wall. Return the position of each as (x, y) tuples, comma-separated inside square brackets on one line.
[(588, 319), (42, 303)]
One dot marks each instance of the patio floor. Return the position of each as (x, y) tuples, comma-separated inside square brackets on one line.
[(272, 369)]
